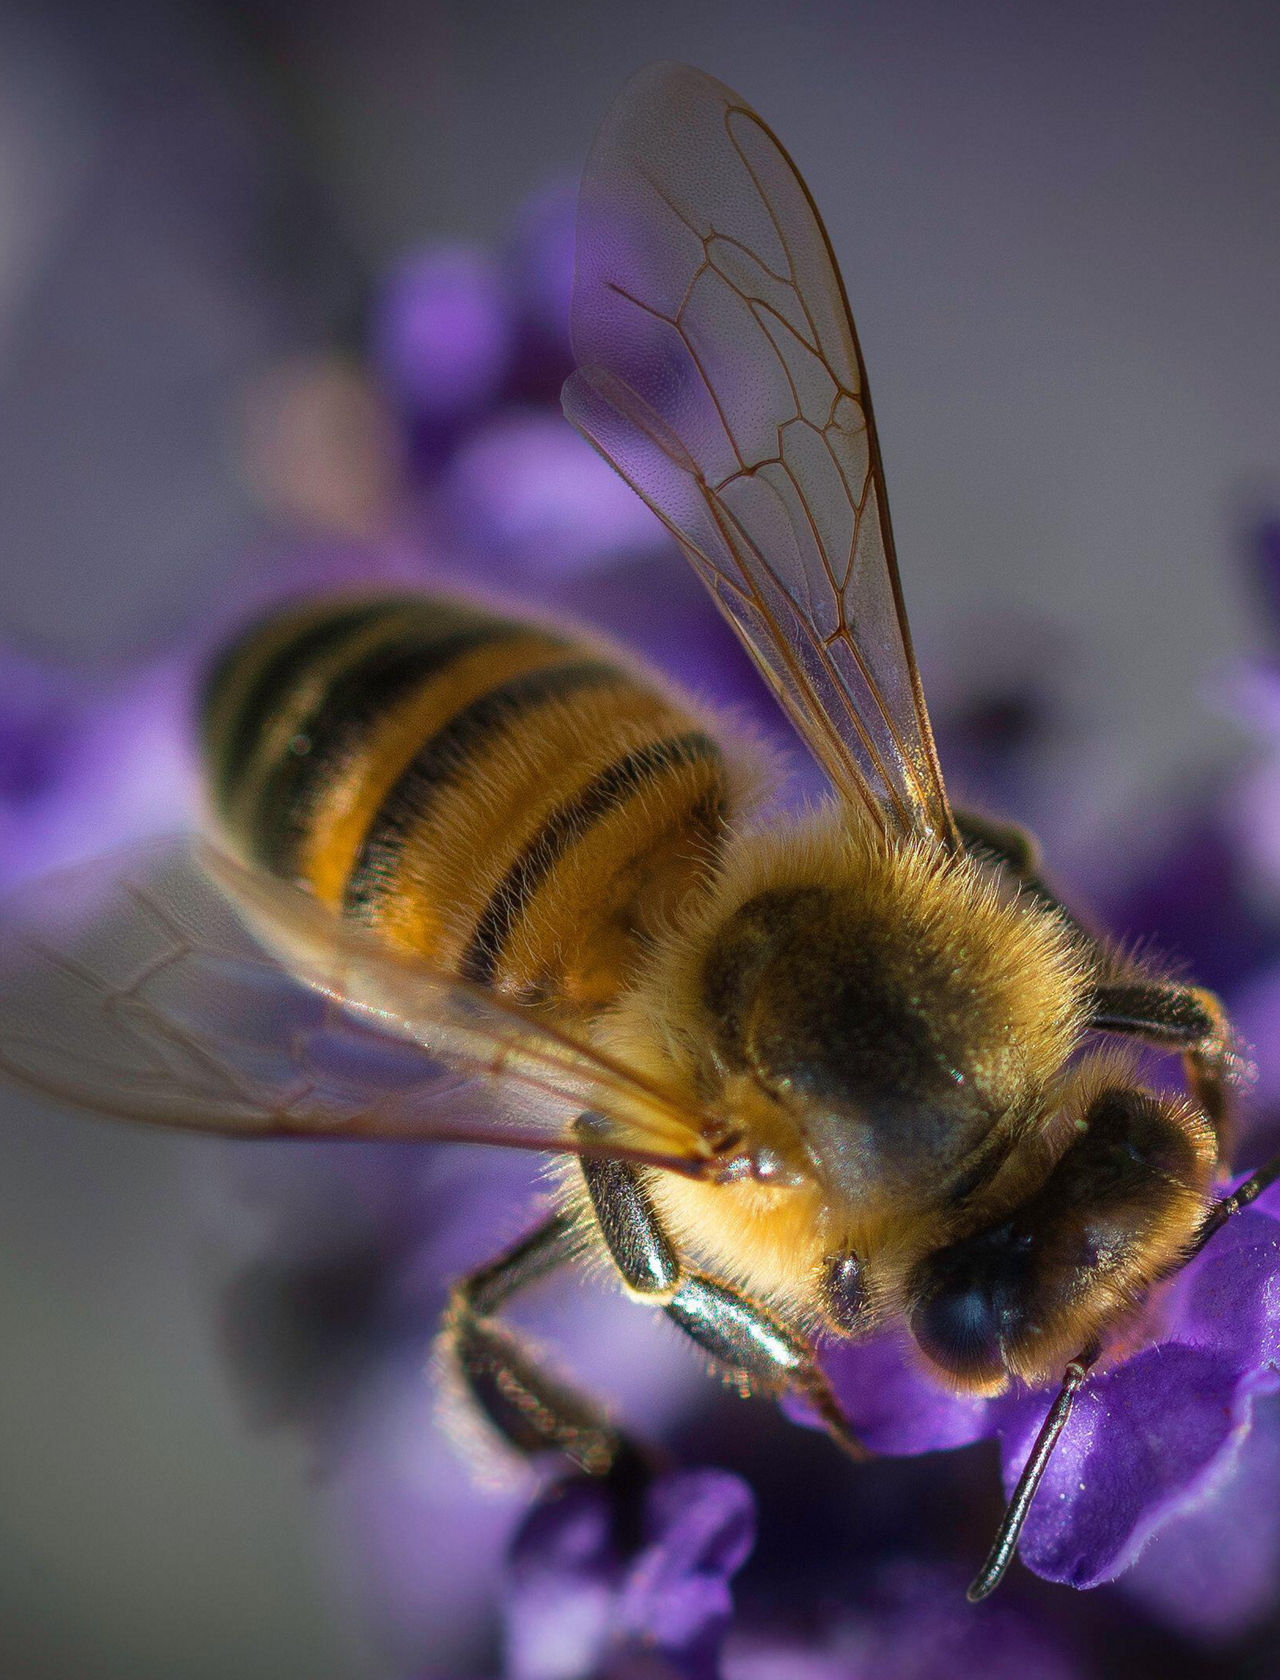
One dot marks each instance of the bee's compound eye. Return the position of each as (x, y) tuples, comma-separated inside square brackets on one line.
[(970, 1301), (959, 1329), (844, 1293)]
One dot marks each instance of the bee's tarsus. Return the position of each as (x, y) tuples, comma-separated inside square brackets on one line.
[(530, 1408), (819, 1394)]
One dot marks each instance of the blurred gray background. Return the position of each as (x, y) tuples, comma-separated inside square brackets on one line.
[(1060, 228)]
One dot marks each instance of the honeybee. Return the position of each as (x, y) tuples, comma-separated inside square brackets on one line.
[(468, 875)]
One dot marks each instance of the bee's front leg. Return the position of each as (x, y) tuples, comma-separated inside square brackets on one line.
[(752, 1344), (744, 1338)]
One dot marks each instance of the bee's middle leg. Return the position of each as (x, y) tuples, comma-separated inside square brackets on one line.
[(744, 1338), (533, 1410)]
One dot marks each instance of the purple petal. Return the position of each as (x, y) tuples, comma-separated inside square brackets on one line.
[(526, 485), (350, 1283), (1145, 1441), (911, 1623), (1265, 569), (1192, 899), (563, 1583), (1228, 1300), (1151, 1438), (37, 724), (539, 269), (424, 1544), (579, 1605), (701, 1528), (1256, 1015), (893, 1405), (86, 769), (1214, 1570)]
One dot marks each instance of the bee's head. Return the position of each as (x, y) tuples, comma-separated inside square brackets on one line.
[(1029, 1289), (899, 1018)]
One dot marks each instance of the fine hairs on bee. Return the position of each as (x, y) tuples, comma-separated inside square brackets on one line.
[(519, 805), (469, 875), (819, 886)]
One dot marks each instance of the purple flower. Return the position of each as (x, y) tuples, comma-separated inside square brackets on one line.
[(1193, 900), (1264, 554), (910, 1622), (1152, 1437), (601, 1590), (588, 1601), (527, 487), (88, 766), (442, 335), (538, 262), (1213, 1570)]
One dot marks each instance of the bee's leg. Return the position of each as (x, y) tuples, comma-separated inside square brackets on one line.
[(1243, 1196), (744, 1338), (1017, 850), (1006, 842), (756, 1348), (1167, 1015), (1187, 1019), (531, 1409)]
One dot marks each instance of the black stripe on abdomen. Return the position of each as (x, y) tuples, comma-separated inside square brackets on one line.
[(340, 725), (446, 757), (271, 686), (606, 793)]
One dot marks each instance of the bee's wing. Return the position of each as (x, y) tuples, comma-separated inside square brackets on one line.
[(719, 372), (174, 986)]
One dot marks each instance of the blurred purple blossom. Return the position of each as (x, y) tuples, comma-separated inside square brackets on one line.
[(910, 1623), (539, 264), (624, 1584), (442, 336), (584, 1600), (525, 484), (88, 766), (1265, 577)]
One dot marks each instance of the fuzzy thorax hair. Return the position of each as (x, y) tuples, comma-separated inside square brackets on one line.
[(828, 974)]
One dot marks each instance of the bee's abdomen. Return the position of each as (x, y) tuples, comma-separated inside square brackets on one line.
[(512, 803)]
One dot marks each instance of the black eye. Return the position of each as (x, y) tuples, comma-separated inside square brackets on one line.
[(959, 1329), (970, 1300)]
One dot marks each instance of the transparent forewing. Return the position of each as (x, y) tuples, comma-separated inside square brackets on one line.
[(719, 372), (173, 986)]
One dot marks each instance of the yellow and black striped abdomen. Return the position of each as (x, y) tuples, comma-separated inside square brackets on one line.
[(517, 805)]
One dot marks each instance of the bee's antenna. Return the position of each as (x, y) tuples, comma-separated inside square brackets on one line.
[(1236, 1202), (1005, 1543)]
